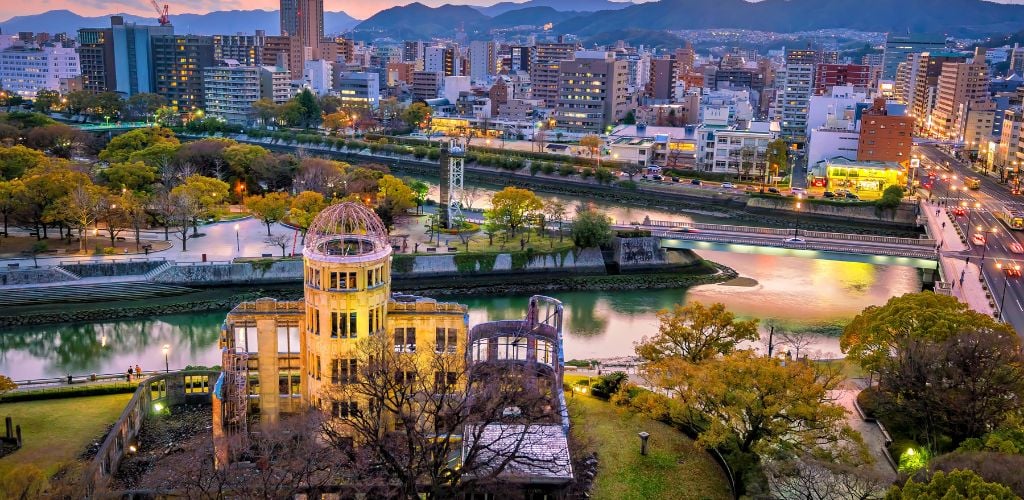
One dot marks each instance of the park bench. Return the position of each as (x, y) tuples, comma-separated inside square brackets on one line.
[(453, 249), (432, 249), (267, 255)]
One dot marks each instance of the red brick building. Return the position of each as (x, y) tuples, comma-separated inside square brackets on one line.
[(827, 76), (884, 137)]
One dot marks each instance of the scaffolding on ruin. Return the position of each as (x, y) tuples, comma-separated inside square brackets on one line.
[(236, 393)]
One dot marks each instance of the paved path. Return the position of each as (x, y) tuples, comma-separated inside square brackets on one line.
[(955, 269)]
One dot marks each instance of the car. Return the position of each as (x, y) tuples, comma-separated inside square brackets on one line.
[(829, 194), (851, 196), (959, 212), (727, 185), (688, 229), (656, 177), (795, 241), (675, 179), (695, 182), (774, 190), (978, 239), (1016, 248), (797, 190), (1012, 272)]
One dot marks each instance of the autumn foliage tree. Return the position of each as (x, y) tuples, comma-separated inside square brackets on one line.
[(269, 208), (512, 207), (694, 332)]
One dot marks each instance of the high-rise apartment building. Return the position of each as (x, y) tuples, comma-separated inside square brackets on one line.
[(906, 78), (178, 62), (275, 84), (483, 60), (27, 69), (897, 46), (442, 60), (426, 85), (544, 72), (884, 137), (794, 85), (592, 92), (303, 19), (413, 52), (661, 83), (230, 90), (286, 52), (830, 75), (926, 81), (963, 101), (520, 57), (1010, 151), (96, 58), (247, 50), (133, 55)]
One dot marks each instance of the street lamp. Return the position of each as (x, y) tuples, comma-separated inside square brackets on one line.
[(167, 363), (238, 242)]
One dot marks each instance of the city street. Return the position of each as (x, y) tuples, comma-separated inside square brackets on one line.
[(996, 254)]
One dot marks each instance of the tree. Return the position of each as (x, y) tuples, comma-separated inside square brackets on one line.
[(956, 484), (630, 118), (426, 406), (279, 240), (120, 148), (321, 175), (134, 206), (265, 111), (113, 214), (758, 404), (811, 478), (555, 211), (37, 248), (777, 156), (339, 120), (9, 200), (490, 227), (395, 194), (16, 160), (81, 208), (592, 142), (79, 101), (695, 332), (165, 207), (591, 229), (132, 176), (417, 115), (143, 105), (206, 156), (46, 100), (512, 207), (269, 208), (199, 195), (185, 208), (107, 104), (540, 137), (878, 331), (159, 156), (43, 187), (305, 207), (6, 384), (891, 198), (240, 158), (273, 171), (310, 114), (57, 139), (420, 190)]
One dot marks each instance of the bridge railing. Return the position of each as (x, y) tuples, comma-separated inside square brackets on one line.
[(890, 240), (921, 253)]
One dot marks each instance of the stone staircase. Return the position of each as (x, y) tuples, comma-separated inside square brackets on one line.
[(86, 293)]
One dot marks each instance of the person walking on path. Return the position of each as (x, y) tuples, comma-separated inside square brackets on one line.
[(138, 371), (128, 374)]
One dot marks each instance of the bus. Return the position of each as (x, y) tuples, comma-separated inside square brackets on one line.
[(972, 182), (1012, 217)]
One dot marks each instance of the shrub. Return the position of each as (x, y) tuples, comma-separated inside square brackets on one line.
[(535, 167), (566, 170), (548, 168), (627, 185), (608, 385)]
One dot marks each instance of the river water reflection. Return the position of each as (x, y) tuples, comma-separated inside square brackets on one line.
[(809, 294)]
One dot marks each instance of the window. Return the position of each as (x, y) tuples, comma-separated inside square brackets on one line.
[(352, 321), (313, 321), (343, 371), (317, 372), (512, 348), (405, 339), (335, 326), (446, 340), (545, 352), (405, 378), (444, 380), (479, 350), (287, 339), (345, 409), (245, 337)]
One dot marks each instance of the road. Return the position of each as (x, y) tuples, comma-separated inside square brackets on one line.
[(995, 254)]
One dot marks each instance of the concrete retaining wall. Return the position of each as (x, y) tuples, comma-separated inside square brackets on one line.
[(104, 269), (646, 253), (569, 261), (33, 276), (905, 215), (226, 273)]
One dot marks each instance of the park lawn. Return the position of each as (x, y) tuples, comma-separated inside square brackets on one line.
[(56, 431), (674, 467)]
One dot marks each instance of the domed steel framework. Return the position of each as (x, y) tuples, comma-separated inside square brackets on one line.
[(346, 229)]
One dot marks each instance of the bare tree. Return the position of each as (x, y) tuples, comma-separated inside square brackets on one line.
[(279, 240), (164, 208), (797, 340), (410, 408), (811, 478), (470, 195), (186, 209)]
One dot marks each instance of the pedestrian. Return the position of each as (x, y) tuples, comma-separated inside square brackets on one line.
[(128, 374), (69, 379), (943, 224), (138, 372)]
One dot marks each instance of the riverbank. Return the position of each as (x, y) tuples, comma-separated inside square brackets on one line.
[(221, 299)]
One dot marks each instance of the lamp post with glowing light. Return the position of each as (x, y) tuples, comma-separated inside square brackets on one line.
[(984, 236), (1006, 281), (167, 362)]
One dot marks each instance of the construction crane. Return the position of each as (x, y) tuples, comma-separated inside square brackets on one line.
[(164, 19)]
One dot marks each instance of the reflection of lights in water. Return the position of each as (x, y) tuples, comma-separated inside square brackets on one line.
[(103, 340)]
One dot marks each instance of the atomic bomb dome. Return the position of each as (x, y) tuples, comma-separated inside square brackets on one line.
[(346, 230)]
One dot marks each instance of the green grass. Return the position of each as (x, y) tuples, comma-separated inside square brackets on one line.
[(674, 467), (55, 432)]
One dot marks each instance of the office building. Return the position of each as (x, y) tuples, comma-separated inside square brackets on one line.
[(898, 46), (178, 62), (884, 137), (827, 76), (286, 52), (358, 89), (133, 55), (442, 60), (520, 57), (413, 52), (230, 90), (275, 84), (737, 149), (247, 50), (544, 72), (592, 92), (794, 85), (27, 69), (96, 59), (1009, 156), (929, 68), (318, 76), (661, 82), (426, 85)]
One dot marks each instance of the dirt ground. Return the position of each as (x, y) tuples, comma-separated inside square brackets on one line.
[(20, 246)]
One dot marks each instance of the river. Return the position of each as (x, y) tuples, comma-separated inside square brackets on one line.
[(815, 295)]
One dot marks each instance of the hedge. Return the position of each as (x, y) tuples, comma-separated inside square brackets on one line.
[(69, 392)]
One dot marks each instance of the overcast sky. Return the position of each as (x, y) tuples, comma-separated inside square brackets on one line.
[(360, 9)]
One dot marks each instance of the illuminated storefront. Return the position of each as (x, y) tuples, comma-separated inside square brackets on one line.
[(866, 179)]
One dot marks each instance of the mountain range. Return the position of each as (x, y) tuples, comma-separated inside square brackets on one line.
[(594, 19), (212, 23)]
